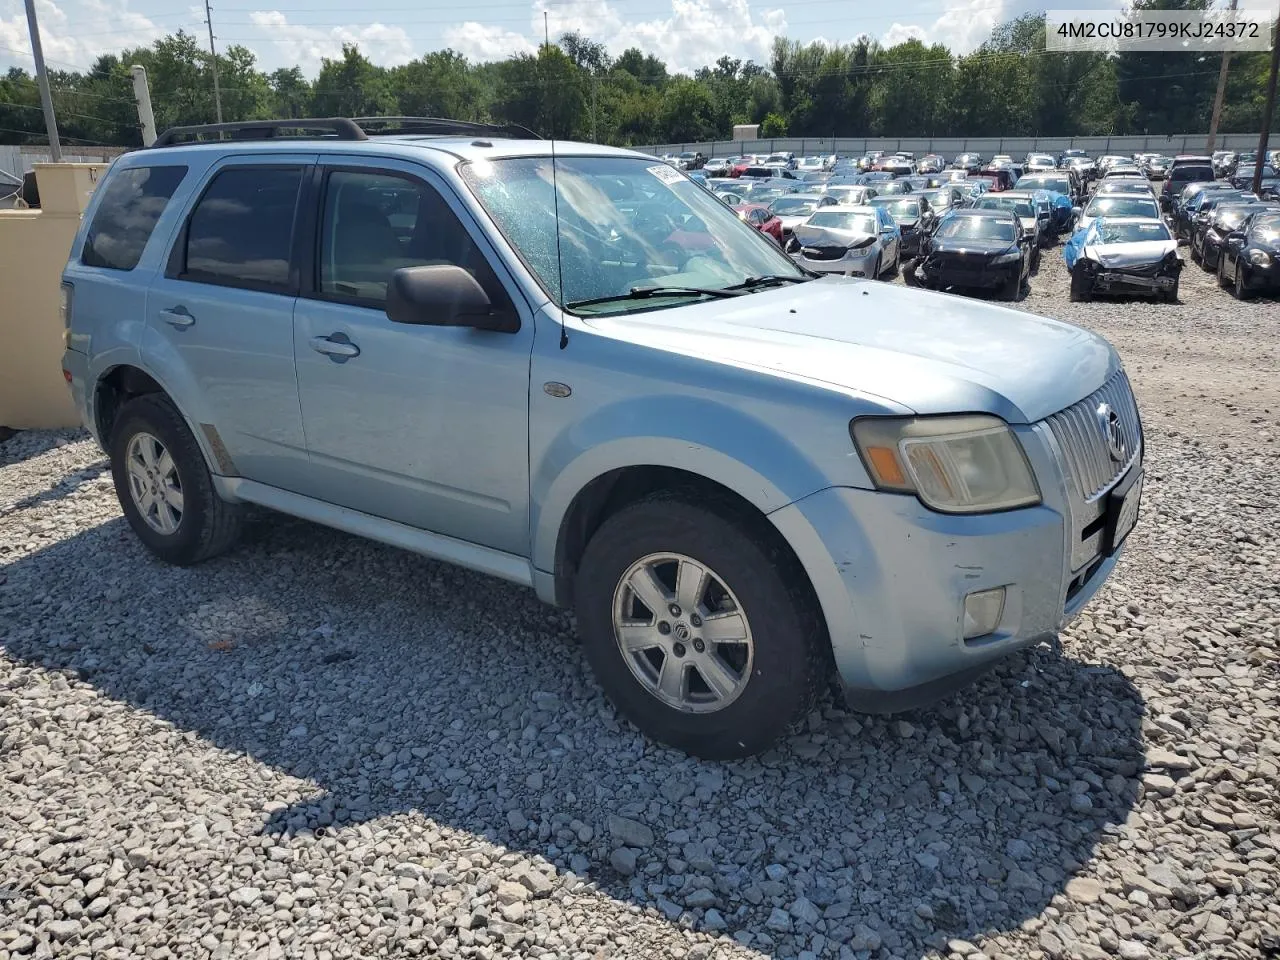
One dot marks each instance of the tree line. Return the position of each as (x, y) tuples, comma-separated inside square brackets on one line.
[(574, 89)]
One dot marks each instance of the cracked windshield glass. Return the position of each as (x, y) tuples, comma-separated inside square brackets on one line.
[(625, 225)]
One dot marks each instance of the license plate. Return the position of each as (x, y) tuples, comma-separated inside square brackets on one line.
[(1123, 504)]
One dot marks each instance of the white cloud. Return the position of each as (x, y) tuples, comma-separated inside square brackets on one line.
[(307, 45), (100, 26), (695, 34), (479, 41), (902, 32)]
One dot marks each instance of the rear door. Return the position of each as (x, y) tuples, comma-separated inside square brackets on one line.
[(220, 315), (424, 425)]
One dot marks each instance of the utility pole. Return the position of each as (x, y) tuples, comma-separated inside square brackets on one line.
[(142, 94), (213, 59), (42, 80), (1217, 99), (1268, 111)]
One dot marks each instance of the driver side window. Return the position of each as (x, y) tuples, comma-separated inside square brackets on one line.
[(374, 222)]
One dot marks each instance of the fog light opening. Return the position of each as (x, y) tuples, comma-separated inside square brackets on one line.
[(982, 612)]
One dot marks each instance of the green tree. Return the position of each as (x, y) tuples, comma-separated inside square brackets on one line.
[(545, 93), (291, 92), (774, 125), (440, 84), (352, 87)]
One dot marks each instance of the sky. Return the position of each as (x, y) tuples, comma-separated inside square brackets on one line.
[(686, 34)]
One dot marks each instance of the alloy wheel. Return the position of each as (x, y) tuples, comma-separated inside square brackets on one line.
[(682, 633), (154, 483)]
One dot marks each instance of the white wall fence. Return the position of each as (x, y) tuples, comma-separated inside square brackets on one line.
[(949, 147), (18, 160)]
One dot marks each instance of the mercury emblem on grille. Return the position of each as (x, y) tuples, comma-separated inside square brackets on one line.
[(1109, 420)]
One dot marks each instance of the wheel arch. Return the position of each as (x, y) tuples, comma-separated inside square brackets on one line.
[(119, 384)]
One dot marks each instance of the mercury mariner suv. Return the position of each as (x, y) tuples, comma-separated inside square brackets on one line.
[(572, 367)]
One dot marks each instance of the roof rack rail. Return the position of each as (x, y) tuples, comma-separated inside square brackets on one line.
[(333, 127), (442, 126)]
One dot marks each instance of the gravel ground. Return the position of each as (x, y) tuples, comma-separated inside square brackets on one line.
[(319, 747)]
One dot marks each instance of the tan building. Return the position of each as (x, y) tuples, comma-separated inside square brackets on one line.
[(33, 250)]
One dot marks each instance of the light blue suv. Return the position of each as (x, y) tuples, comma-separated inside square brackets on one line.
[(571, 367)]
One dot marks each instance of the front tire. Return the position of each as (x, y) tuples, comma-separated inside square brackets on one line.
[(1081, 287), (698, 626), (164, 485), (1012, 288), (1239, 289)]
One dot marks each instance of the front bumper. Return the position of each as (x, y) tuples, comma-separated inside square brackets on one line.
[(845, 266), (891, 577), (984, 277)]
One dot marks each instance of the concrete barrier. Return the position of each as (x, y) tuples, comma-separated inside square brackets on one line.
[(33, 250)]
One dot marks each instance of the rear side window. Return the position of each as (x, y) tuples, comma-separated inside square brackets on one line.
[(241, 231), (132, 201)]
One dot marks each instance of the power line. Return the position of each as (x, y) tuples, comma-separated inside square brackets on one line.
[(78, 116)]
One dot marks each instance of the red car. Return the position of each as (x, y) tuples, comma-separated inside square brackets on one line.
[(738, 166), (760, 217), (1001, 179)]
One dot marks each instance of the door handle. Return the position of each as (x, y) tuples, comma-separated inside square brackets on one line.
[(341, 349), (177, 317)]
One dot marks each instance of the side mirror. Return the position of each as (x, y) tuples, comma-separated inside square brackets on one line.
[(1076, 211), (1235, 238), (443, 295)]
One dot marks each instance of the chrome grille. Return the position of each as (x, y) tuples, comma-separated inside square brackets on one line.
[(1082, 435)]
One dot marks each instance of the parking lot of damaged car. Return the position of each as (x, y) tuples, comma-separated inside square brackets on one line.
[(316, 746)]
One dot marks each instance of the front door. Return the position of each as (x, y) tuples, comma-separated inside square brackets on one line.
[(424, 425), (220, 317)]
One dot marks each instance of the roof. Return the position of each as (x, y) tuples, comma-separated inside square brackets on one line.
[(410, 146)]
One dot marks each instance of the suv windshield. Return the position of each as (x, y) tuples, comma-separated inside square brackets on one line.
[(623, 223), (975, 228), (1122, 207), (1056, 184)]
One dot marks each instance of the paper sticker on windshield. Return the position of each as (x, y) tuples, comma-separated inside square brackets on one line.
[(665, 173)]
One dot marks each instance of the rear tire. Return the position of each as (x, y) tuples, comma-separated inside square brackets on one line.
[(170, 501), (753, 584)]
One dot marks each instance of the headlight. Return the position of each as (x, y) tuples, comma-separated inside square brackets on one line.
[(1260, 257), (1008, 258), (954, 464)]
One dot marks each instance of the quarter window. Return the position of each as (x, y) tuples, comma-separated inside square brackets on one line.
[(132, 201), (241, 231), (375, 223)]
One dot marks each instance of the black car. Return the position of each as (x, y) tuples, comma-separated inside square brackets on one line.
[(1179, 176), (1184, 209), (972, 162), (1250, 256), (913, 215), (1242, 179), (1206, 238), (983, 249), (1207, 204)]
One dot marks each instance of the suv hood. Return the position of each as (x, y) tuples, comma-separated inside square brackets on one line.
[(929, 352)]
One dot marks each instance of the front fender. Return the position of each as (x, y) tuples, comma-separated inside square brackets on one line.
[(704, 437)]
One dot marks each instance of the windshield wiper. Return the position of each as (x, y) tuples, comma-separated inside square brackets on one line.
[(644, 293), (768, 280)]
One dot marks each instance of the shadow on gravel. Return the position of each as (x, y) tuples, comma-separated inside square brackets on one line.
[(397, 684)]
